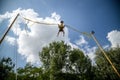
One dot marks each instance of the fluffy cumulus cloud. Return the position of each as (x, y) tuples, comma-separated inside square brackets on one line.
[(30, 41), (10, 40), (114, 38), (83, 45), (81, 41), (5, 16)]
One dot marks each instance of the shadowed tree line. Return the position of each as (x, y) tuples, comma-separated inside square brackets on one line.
[(61, 62)]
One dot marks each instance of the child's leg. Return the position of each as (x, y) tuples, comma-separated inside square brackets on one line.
[(58, 33), (63, 33)]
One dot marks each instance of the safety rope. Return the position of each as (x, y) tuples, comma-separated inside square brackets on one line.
[(40, 22), (84, 33)]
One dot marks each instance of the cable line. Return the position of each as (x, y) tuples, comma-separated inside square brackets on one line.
[(39, 22), (84, 33)]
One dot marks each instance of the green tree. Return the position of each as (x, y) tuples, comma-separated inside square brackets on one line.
[(6, 69), (29, 72), (65, 63), (104, 70)]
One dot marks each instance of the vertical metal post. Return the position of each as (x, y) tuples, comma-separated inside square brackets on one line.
[(100, 47), (6, 32)]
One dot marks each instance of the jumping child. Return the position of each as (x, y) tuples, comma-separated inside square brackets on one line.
[(61, 28)]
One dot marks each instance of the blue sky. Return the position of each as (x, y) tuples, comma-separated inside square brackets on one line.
[(102, 16)]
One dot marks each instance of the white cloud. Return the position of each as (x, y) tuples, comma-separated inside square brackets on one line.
[(57, 17), (106, 47), (5, 16), (114, 38), (90, 52), (37, 36), (10, 40), (81, 41), (83, 45)]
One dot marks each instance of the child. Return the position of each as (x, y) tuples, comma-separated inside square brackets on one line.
[(61, 28)]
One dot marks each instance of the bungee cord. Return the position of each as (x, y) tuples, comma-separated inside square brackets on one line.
[(84, 33), (39, 22)]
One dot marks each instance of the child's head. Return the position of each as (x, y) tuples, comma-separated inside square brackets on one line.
[(61, 21)]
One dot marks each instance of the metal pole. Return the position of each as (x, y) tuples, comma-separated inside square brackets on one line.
[(100, 47), (6, 32)]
